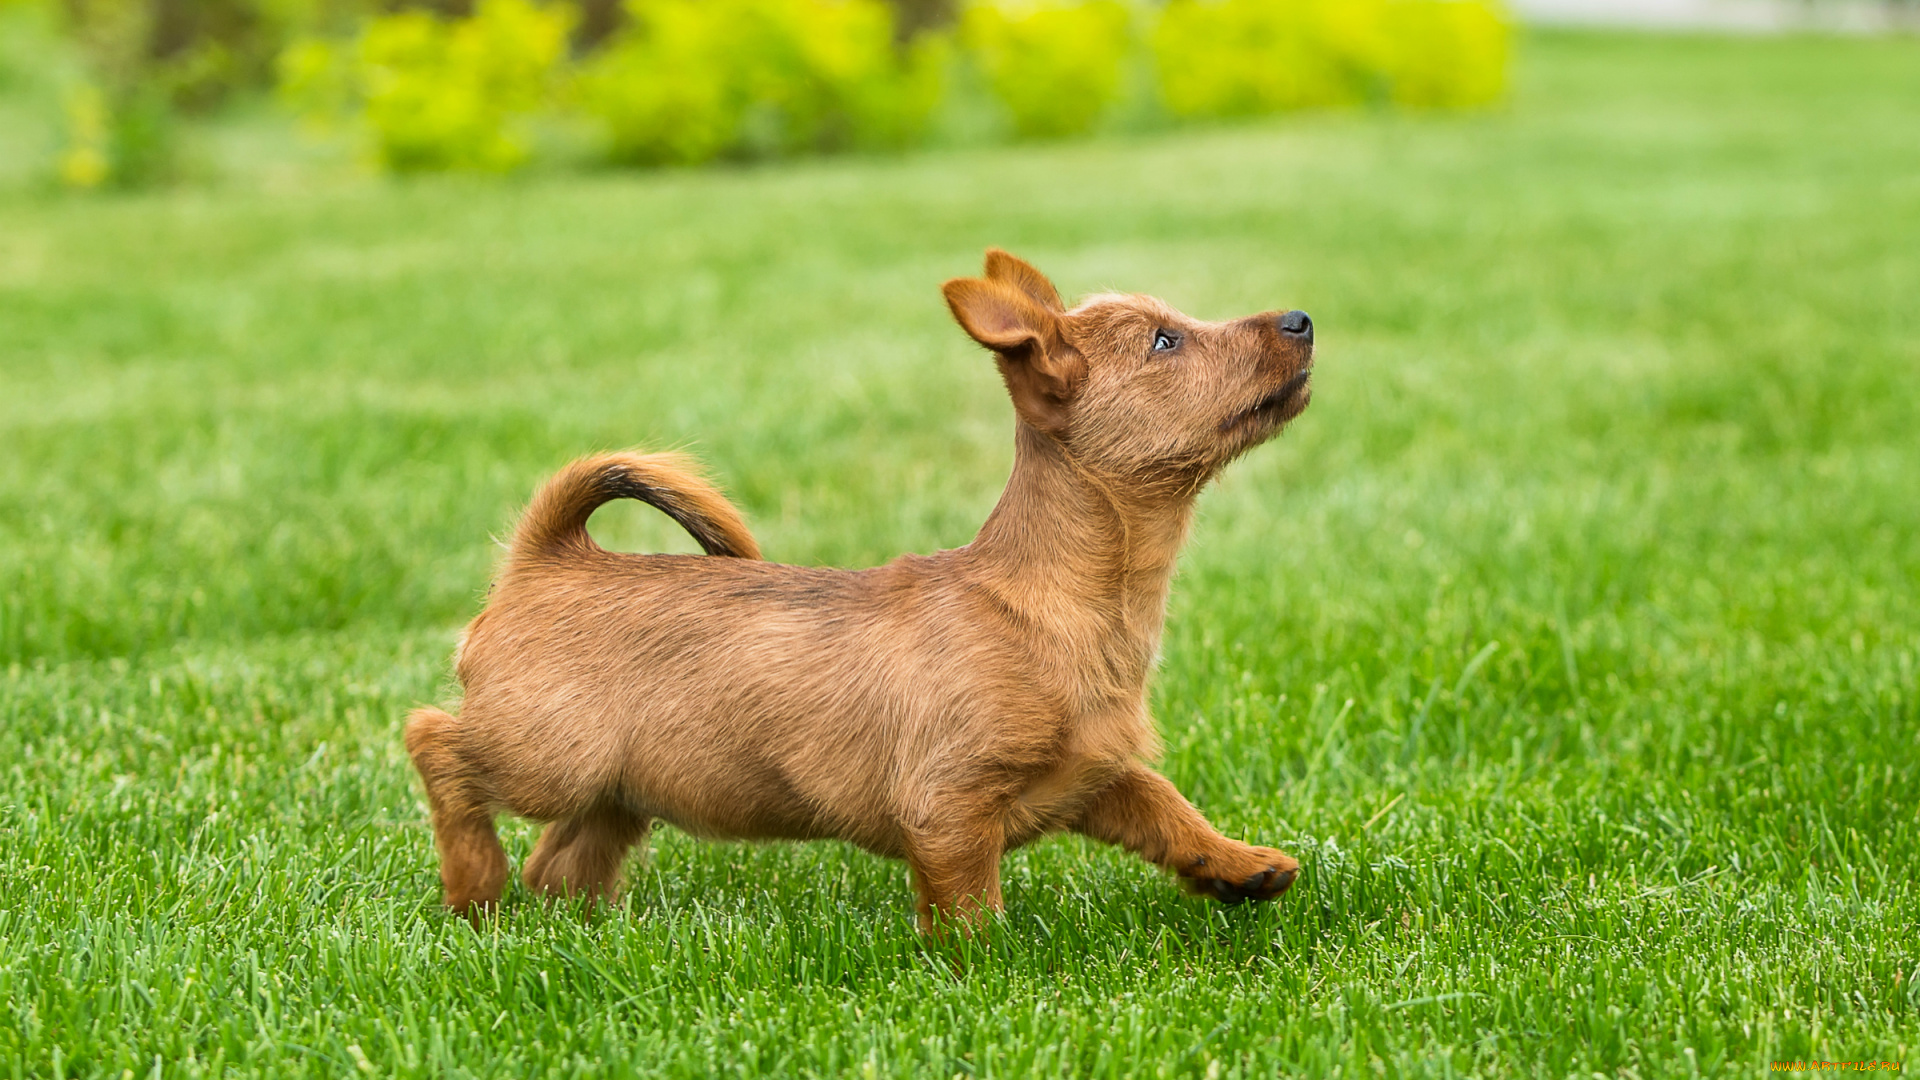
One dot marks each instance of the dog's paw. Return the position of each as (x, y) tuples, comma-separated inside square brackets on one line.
[(1238, 876)]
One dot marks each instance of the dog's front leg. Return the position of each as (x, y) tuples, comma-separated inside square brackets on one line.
[(1144, 813), (956, 870)]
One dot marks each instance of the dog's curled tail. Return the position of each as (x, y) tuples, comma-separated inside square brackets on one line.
[(556, 520)]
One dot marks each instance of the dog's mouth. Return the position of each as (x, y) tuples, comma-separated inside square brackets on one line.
[(1276, 408)]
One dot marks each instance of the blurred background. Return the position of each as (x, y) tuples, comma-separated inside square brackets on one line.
[(499, 85), (1571, 638)]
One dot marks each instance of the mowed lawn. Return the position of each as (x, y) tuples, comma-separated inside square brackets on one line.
[(1571, 639)]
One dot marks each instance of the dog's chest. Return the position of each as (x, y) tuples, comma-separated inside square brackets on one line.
[(1099, 747)]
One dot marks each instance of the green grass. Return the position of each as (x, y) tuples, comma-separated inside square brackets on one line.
[(1571, 639)]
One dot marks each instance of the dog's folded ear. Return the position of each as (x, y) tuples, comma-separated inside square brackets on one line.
[(1000, 316), (1041, 368), (1004, 267)]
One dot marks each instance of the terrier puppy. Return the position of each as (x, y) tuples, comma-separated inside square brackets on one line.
[(941, 709)]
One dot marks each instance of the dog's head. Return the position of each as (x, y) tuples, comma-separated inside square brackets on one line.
[(1128, 385)]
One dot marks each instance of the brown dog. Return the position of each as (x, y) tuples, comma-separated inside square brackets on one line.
[(941, 709)]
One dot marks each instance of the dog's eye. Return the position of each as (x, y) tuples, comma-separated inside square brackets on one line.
[(1164, 340)]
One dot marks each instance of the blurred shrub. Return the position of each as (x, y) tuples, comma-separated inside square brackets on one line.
[(120, 125), (1055, 67), (691, 80), (128, 139), (145, 62), (87, 161), (1241, 57), (436, 93), (198, 52), (1446, 53)]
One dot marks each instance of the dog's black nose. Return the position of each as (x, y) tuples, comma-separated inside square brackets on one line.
[(1296, 324)]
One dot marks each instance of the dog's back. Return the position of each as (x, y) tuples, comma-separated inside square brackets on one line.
[(738, 699)]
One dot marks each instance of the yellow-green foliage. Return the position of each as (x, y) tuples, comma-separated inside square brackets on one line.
[(688, 81), (1238, 57), (86, 161), (1446, 53), (122, 136), (1253, 56), (1055, 67), (691, 80), (120, 124), (437, 93)]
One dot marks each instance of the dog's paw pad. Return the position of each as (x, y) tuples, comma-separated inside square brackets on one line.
[(1278, 881), (1263, 884)]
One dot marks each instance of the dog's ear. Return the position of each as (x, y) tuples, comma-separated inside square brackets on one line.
[(1004, 267), (1041, 369)]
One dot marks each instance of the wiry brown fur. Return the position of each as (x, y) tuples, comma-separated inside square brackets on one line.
[(941, 709)]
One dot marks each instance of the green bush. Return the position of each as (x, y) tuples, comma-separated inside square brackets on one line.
[(438, 93), (691, 80), (144, 64), (1055, 67), (1446, 53), (126, 137), (1242, 57), (120, 123)]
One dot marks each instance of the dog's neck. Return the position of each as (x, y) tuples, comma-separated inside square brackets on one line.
[(1071, 550)]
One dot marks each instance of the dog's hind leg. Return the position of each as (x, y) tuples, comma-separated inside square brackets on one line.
[(956, 871), (473, 868), (581, 855), (1144, 813)]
